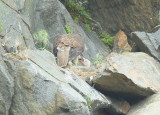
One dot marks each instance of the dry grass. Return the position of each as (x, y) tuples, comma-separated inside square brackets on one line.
[(83, 74), (18, 55)]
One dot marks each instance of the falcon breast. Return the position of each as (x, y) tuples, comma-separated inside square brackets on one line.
[(67, 47)]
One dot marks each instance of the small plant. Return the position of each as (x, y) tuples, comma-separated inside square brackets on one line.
[(88, 27), (68, 29), (107, 39), (98, 60), (89, 102), (77, 10), (41, 38), (1, 24), (76, 20), (158, 26)]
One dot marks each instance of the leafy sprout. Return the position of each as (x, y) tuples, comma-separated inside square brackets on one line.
[(77, 10), (98, 60), (158, 26), (76, 19), (41, 38), (68, 29), (107, 39), (89, 102), (88, 27)]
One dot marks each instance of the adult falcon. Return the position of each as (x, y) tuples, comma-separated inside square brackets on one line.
[(67, 47)]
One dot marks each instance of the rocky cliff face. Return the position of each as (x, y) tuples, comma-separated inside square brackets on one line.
[(52, 16), (128, 15), (26, 85), (31, 83)]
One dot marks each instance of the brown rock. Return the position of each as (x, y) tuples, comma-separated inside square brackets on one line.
[(121, 43)]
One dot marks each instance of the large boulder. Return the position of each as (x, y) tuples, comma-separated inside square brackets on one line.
[(149, 106), (43, 88), (128, 15), (148, 42), (129, 75)]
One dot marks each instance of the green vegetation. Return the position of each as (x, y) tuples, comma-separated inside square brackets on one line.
[(89, 102), (106, 38), (88, 27), (68, 29), (41, 38), (98, 60), (76, 19), (77, 10), (79, 13), (158, 26), (1, 25)]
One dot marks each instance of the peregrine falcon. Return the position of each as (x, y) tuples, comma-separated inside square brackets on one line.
[(67, 47)]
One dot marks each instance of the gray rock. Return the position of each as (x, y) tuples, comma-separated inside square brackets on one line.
[(6, 86), (149, 106), (15, 5), (15, 33), (43, 88), (31, 82), (130, 75), (148, 42)]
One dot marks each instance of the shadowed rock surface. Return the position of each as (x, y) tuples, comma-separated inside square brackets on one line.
[(148, 42), (128, 15), (149, 106)]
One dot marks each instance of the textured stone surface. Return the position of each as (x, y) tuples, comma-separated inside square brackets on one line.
[(149, 106), (6, 86), (15, 32), (30, 80), (53, 17), (130, 75), (43, 88), (148, 42), (121, 43), (128, 15)]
